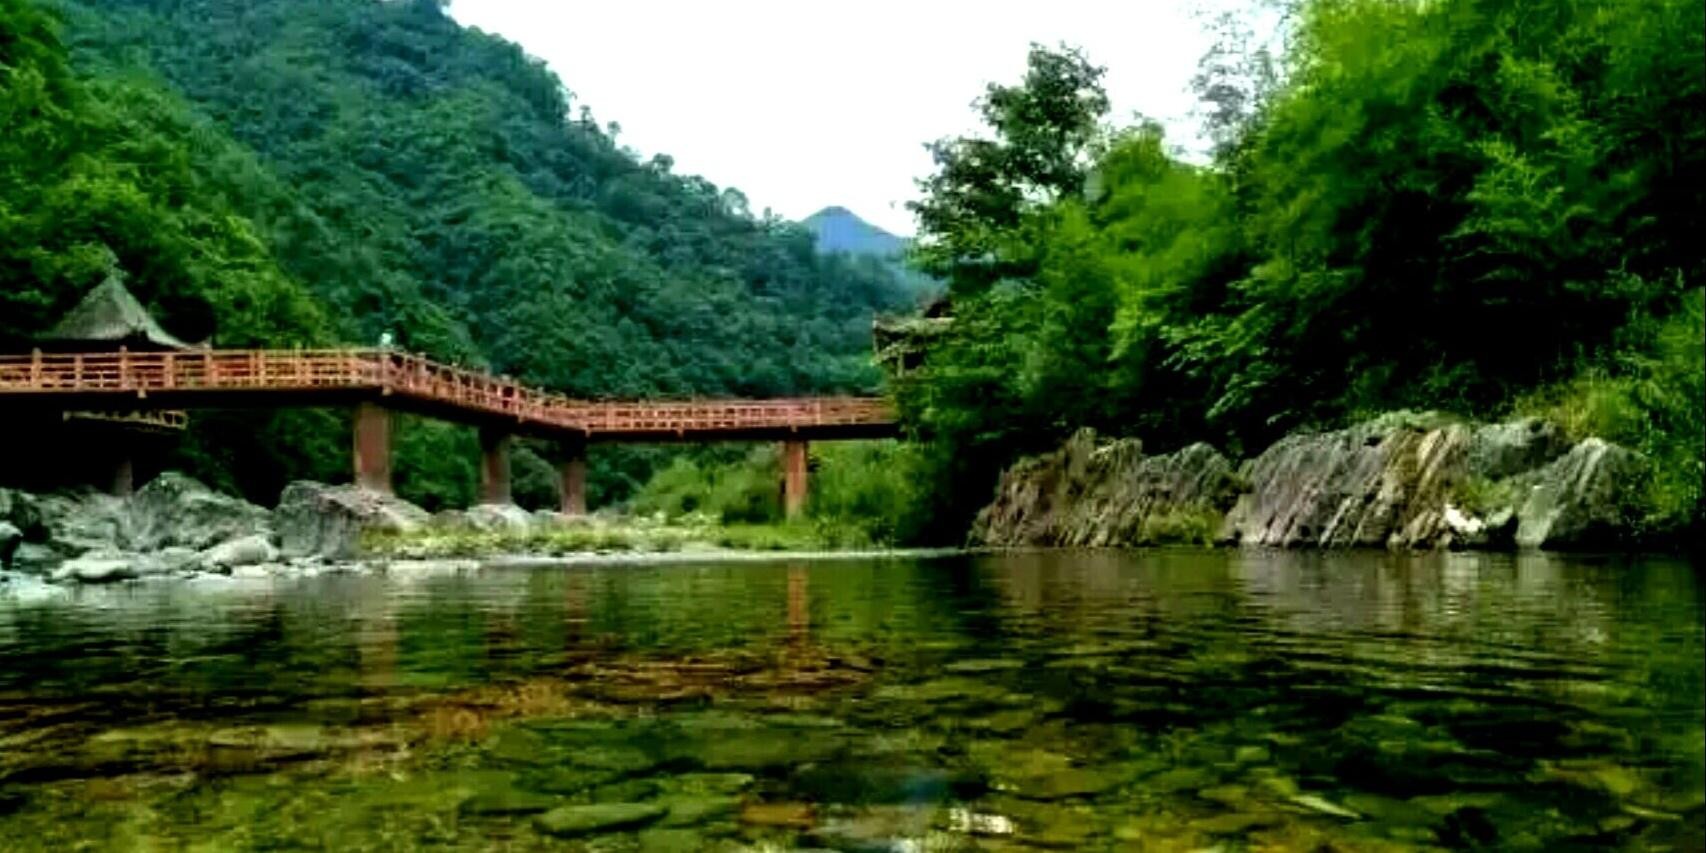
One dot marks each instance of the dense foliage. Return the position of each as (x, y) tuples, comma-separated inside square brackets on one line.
[(862, 492), (1473, 205), (301, 171)]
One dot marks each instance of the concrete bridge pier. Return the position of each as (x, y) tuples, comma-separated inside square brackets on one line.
[(124, 475), (494, 466), (373, 447), (571, 474), (793, 478)]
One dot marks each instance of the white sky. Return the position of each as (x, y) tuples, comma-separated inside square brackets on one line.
[(803, 104)]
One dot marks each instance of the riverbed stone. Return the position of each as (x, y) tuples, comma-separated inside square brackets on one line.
[(758, 749), (670, 840), (689, 810), (98, 567), (505, 800), (329, 521), (498, 518), (573, 821), (245, 551), (711, 783), (1177, 779), (783, 814), (175, 509)]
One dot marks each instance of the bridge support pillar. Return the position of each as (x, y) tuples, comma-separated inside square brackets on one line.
[(373, 447), (494, 466), (572, 478), (124, 475), (793, 478)]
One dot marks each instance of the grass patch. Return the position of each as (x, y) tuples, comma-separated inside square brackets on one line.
[(1182, 526), (606, 535)]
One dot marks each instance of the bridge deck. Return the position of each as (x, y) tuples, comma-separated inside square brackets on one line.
[(269, 378)]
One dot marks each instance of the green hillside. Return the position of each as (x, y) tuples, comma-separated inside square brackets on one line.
[(308, 172)]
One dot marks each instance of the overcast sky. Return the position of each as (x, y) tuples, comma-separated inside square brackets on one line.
[(801, 105)]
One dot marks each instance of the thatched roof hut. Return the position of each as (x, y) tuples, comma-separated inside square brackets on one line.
[(110, 317)]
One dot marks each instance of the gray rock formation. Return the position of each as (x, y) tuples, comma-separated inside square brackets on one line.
[(329, 521), (173, 509), (98, 567), (23, 511), (498, 518), (1090, 495), (1379, 484), (246, 551), (1497, 451), (1581, 500), (76, 524), (1399, 481)]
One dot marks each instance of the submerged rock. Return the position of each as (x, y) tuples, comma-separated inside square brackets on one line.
[(571, 821), (503, 800), (329, 521)]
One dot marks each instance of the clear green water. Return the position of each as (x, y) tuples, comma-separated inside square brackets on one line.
[(1144, 701)]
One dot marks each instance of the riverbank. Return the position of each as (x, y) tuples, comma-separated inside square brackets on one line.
[(177, 528)]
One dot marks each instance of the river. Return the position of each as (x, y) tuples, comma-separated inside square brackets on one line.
[(1147, 700)]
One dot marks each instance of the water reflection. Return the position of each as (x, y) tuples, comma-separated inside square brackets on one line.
[(1161, 700)]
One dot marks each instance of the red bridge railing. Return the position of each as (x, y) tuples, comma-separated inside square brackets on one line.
[(136, 375)]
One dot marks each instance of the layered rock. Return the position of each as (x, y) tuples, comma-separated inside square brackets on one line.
[(1582, 499), (1087, 494), (1384, 483), (1399, 481)]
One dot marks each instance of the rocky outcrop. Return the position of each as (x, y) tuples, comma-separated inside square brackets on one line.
[(1399, 481), (1384, 483), (176, 510), (1086, 494), (329, 521), (175, 527), (1582, 499)]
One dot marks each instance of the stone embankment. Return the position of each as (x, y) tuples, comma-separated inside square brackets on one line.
[(1400, 481)]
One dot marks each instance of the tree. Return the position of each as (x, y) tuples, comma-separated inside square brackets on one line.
[(974, 206)]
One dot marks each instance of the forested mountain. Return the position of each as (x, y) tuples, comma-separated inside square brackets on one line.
[(314, 171), (838, 229)]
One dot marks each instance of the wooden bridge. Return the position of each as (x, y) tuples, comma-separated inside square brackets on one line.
[(377, 382)]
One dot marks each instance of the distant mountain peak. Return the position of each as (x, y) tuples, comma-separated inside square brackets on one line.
[(841, 230)]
